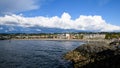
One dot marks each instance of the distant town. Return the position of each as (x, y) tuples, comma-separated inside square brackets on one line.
[(64, 36)]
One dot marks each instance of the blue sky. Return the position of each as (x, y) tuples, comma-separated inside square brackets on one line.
[(94, 15), (108, 9)]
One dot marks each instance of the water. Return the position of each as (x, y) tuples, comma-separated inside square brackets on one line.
[(35, 53)]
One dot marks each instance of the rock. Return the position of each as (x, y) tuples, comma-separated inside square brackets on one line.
[(94, 56), (115, 42)]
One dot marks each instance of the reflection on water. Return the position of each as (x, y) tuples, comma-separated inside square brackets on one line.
[(35, 53)]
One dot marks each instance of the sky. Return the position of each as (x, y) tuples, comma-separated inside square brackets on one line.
[(42, 15)]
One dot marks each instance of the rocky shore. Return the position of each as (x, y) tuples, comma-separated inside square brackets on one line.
[(95, 55)]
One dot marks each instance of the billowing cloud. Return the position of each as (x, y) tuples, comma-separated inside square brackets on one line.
[(87, 23), (13, 6)]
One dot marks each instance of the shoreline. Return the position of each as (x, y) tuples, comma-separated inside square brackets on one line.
[(81, 40), (95, 55)]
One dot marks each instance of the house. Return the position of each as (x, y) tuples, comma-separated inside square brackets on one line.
[(94, 36), (68, 36), (64, 36)]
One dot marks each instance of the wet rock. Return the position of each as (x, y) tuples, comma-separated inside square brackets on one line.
[(94, 56)]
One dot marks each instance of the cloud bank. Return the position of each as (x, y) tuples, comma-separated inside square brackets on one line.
[(86, 23), (14, 6)]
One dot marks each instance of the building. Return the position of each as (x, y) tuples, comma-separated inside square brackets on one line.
[(64, 36), (94, 36), (68, 36)]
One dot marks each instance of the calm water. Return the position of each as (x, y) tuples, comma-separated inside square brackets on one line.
[(35, 53)]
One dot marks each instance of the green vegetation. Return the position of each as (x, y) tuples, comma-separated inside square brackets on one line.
[(112, 35)]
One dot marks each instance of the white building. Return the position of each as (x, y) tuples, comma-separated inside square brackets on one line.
[(63, 36), (67, 36), (94, 36)]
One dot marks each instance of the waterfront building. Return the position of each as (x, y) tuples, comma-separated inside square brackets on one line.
[(94, 36)]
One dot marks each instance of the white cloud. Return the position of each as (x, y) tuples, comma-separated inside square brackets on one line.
[(92, 23), (13, 6)]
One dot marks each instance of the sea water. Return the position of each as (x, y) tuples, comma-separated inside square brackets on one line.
[(35, 53)]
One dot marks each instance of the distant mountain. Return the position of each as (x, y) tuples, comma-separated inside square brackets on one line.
[(16, 29)]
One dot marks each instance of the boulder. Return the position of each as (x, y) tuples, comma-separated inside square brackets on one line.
[(92, 55)]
